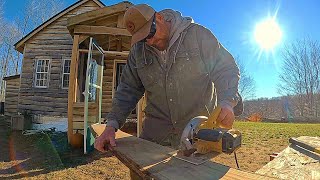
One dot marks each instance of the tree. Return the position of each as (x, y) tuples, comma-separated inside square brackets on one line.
[(7, 54), (35, 13), (1, 10), (1, 22), (247, 85), (300, 75)]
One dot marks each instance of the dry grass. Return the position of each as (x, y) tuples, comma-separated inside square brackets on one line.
[(35, 157)]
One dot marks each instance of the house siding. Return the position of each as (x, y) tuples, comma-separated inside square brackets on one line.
[(55, 43), (11, 95)]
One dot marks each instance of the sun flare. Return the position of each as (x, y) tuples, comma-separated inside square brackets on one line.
[(268, 34)]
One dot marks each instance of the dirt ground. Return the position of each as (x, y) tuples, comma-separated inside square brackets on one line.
[(48, 155), (37, 157)]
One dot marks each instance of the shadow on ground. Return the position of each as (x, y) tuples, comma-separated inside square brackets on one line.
[(42, 153)]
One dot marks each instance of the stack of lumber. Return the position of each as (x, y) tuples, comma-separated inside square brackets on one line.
[(295, 162)]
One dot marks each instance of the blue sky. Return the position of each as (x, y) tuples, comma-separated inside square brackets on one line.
[(233, 22)]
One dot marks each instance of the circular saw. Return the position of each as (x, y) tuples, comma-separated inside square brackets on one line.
[(203, 135)]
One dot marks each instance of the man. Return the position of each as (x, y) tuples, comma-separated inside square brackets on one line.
[(183, 70)]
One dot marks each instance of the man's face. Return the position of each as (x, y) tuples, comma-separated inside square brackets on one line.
[(160, 40)]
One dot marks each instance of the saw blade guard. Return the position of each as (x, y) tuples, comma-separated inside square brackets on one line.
[(188, 132)]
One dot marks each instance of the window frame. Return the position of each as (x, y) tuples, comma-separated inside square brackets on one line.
[(36, 72), (114, 73), (63, 73)]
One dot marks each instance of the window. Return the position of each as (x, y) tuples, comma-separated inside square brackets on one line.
[(66, 73), (120, 67), (42, 73)]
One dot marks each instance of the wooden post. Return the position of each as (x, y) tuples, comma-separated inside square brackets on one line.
[(72, 83), (81, 77), (100, 82), (139, 118), (141, 105), (86, 99)]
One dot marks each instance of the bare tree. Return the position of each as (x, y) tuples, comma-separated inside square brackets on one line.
[(35, 13), (247, 85), (1, 10), (1, 22), (7, 53), (300, 74)]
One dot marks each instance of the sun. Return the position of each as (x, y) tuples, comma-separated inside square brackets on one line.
[(268, 34)]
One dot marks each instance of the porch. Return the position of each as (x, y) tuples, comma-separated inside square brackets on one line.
[(101, 45)]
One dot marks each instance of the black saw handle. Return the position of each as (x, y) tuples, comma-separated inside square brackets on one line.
[(209, 135)]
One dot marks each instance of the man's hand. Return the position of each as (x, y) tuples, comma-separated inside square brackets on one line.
[(107, 137), (226, 116)]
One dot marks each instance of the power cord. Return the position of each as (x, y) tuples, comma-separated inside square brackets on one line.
[(235, 157)]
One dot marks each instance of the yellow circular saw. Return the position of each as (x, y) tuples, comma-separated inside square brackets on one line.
[(203, 135)]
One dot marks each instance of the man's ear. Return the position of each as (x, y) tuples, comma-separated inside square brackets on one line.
[(159, 17)]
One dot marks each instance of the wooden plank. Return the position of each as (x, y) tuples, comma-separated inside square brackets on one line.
[(50, 46), (295, 162), (11, 95), (84, 29), (82, 38), (124, 54), (81, 105), (126, 45), (109, 21), (80, 125), (120, 21), (152, 160), (50, 104), (80, 112), (139, 117), (106, 11), (91, 119), (80, 120), (100, 80)]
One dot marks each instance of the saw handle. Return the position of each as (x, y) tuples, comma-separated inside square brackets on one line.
[(209, 135)]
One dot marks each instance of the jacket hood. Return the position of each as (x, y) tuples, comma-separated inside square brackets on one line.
[(178, 23)]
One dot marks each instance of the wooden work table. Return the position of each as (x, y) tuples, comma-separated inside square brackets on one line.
[(151, 160)]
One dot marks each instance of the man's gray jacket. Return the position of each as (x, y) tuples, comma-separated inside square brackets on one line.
[(197, 74)]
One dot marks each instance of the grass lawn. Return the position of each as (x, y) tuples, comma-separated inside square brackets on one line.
[(36, 157)]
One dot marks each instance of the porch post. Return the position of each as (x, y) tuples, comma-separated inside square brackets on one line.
[(72, 84)]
